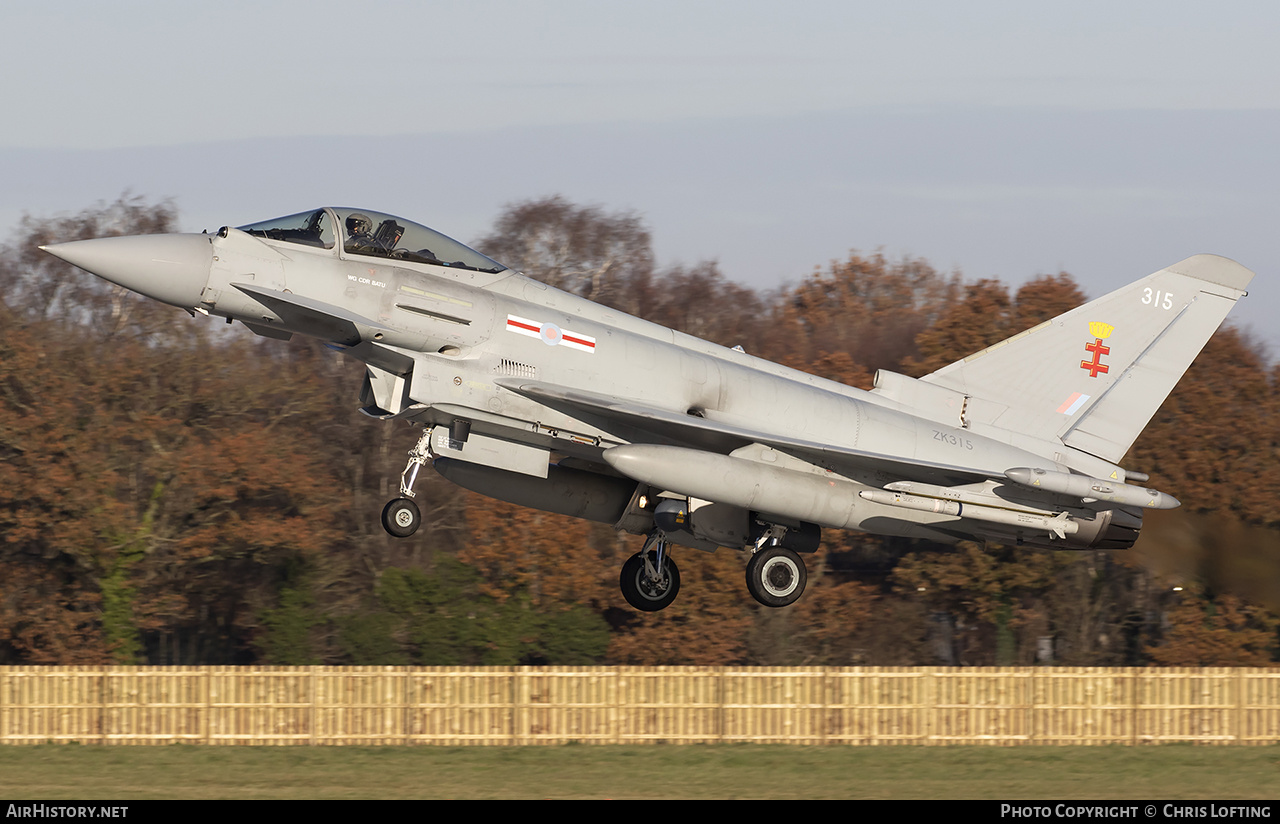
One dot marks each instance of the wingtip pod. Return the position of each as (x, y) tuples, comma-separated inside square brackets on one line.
[(1214, 269)]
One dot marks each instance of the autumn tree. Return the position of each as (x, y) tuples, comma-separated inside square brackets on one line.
[(602, 256), (992, 593), (1043, 298), (976, 321), (38, 287), (700, 301), (1214, 442), (163, 475), (860, 315), (553, 570), (986, 315), (1221, 631)]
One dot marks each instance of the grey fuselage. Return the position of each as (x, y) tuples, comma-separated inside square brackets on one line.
[(540, 397), (447, 343)]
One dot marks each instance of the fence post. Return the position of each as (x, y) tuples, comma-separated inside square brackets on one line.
[(1135, 683), (206, 717), (1032, 687), (102, 706), (1239, 713), (930, 706), (826, 705), (718, 681)]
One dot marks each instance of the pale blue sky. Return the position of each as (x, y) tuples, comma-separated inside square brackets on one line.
[(118, 74), (1003, 139)]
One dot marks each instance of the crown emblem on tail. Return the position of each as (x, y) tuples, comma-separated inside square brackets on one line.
[(1101, 330)]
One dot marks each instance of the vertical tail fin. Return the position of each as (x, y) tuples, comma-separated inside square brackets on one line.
[(1095, 376)]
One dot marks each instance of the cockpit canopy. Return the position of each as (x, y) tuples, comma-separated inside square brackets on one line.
[(374, 234)]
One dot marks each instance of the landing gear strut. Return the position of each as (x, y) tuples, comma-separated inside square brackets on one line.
[(650, 580), (401, 517)]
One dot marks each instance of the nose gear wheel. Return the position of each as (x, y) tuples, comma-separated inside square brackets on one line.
[(401, 516)]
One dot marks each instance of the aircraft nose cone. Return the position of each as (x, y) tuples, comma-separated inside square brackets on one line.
[(169, 268)]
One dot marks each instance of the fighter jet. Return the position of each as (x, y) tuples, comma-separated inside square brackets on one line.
[(538, 397)]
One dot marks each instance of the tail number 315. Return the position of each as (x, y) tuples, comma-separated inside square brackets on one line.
[(1156, 298)]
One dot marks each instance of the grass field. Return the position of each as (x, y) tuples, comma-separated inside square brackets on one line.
[(52, 772)]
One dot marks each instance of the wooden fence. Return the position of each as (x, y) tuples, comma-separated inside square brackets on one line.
[(637, 705)]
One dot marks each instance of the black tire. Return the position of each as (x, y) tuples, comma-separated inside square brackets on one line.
[(644, 594), (401, 518), (776, 577)]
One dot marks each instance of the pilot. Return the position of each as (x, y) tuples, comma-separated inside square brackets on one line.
[(359, 231)]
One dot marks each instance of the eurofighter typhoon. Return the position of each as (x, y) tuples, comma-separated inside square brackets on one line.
[(531, 395)]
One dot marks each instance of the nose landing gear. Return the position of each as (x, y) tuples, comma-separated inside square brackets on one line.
[(401, 516)]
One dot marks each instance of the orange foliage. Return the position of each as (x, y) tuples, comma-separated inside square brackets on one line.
[(1222, 632), (548, 557)]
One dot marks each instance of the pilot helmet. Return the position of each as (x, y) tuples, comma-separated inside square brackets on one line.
[(358, 224)]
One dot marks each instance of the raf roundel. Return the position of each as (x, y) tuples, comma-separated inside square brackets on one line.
[(550, 334)]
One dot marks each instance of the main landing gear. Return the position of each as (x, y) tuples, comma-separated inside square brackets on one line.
[(650, 580), (775, 575), (401, 516)]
